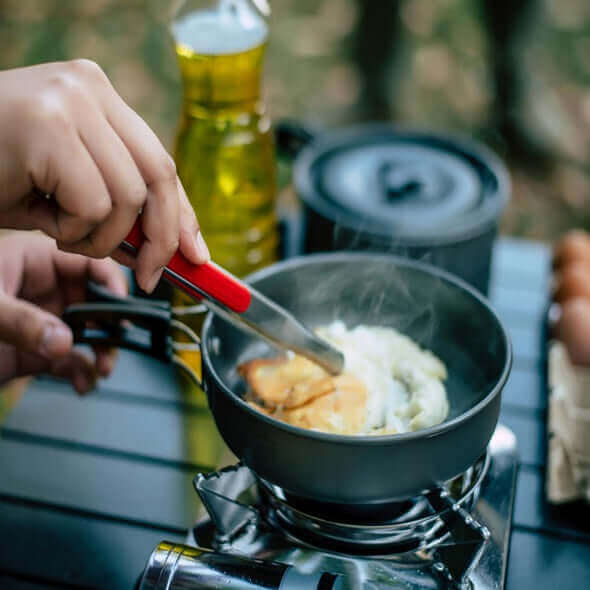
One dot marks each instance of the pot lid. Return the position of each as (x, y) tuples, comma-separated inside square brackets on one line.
[(410, 186)]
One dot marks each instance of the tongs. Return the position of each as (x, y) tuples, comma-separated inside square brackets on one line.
[(243, 306)]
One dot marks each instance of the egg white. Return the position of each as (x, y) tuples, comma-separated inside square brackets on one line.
[(405, 389)]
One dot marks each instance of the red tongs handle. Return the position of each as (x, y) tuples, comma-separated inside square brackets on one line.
[(217, 283)]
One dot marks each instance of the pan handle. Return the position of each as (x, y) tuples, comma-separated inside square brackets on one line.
[(148, 332), (135, 324), (291, 137)]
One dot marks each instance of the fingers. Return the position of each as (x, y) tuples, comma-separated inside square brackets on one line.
[(105, 360), (159, 245), (194, 249), (106, 272), (168, 219), (73, 272), (110, 274), (103, 164), (32, 337), (161, 215), (31, 329), (126, 187), (77, 368), (67, 171)]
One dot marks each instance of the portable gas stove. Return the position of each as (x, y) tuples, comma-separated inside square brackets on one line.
[(455, 538)]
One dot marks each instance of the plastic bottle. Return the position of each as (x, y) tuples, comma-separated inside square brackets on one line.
[(224, 150), (224, 156)]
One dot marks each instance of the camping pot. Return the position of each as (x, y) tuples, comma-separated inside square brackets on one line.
[(426, 196)]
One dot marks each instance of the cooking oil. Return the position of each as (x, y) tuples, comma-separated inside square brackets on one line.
[(224, 148)]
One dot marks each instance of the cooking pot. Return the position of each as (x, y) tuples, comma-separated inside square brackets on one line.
[(343, 474), (439, 311), (428, 196)]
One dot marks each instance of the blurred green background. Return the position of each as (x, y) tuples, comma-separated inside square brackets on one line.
[(513, 74)]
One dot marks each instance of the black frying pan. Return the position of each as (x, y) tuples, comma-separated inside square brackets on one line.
[(341, 473), (440, 312)]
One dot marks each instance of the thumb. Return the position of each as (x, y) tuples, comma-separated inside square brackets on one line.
[(30, 329)]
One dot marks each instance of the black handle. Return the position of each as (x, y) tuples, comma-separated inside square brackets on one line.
[(398, 184), (98, 294), (291, 137), (148, 334)]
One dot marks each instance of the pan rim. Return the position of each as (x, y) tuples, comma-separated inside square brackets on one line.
[(366, 439)]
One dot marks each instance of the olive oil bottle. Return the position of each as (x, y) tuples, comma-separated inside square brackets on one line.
[(224, 153), (224, 150)]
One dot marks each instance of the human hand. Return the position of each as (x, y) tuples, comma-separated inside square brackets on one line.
[(65, 132), (37, 282)]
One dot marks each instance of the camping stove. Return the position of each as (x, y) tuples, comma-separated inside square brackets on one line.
[(457, 536)]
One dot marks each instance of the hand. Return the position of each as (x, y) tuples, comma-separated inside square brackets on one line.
[(37, 282), (65, 132)]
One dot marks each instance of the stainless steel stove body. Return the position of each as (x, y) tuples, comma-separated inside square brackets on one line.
[(457, 536)]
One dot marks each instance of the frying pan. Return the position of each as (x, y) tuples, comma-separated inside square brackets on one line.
[(334, 473), (440, 312)]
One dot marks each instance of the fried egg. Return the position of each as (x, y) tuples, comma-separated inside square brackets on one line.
[(389, 385)]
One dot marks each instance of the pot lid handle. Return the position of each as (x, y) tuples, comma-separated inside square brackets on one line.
[(415, 181)]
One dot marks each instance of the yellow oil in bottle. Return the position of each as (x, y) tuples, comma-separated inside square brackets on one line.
[(224, 149)]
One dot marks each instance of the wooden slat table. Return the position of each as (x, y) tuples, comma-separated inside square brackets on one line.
[(89, 486)]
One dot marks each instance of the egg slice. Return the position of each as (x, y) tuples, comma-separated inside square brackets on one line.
[(389, 385)]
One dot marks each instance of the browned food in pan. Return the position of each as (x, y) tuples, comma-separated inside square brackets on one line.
[(341, 411), (300, 393), (286, 382)]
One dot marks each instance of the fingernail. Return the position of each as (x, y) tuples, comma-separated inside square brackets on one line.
[(81, 383), (104, 367), (106, 364), (201, 247), (56, 340)]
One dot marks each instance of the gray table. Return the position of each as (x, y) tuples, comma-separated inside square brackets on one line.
[(89, 486)]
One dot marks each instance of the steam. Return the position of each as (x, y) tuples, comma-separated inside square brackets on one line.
[(371, 290), (392, 300)]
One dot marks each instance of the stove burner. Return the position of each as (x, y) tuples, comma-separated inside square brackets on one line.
[(437, 540), (461, 489), (386, 530), (362, 514)]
